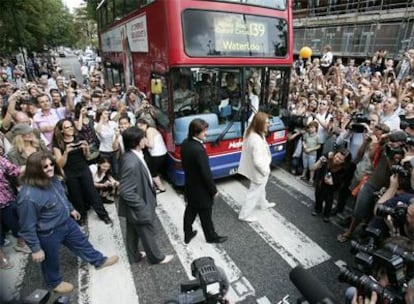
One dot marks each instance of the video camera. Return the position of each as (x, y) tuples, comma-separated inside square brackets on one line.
[(293, 121), (356, 122), (209, 287)]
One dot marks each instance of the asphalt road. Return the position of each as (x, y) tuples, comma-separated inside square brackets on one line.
[(257, 257)]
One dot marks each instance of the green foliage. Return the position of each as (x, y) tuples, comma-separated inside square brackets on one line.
[(35, 25)]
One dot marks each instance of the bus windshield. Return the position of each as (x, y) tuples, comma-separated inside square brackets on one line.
[(276, 4), (228, 96), (210, 33)]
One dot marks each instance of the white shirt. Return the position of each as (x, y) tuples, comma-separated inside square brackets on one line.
[(106, 136), (140, 156)]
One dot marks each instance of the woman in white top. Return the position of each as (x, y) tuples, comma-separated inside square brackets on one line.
[(105, 130), (157, 152), (255, 165)]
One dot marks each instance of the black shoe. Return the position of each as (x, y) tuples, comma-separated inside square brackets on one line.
[(188, 238), (326, 219), (315, 213), (81, 221), (107, 220), (218, 239)]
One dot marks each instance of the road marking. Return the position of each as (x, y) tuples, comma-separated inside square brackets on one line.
[(170, 211), (288, 180), (114, 284), (12, 279), (285, 238)]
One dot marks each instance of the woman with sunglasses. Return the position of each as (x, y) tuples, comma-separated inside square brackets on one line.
[(47, 221), (71, 154)]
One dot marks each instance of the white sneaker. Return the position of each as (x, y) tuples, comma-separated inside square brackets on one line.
[(168, 258), (248, 219), (268, 206)]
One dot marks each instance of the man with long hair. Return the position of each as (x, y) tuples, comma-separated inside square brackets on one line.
[(47, 220), (255, 165)]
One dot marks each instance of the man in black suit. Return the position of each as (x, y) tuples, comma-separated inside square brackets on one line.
[(200, 189), (137, 200)]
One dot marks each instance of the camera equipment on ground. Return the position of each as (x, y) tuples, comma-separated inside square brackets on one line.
[(209, 287)]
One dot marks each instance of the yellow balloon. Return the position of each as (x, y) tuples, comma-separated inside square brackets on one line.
[(305, 52)]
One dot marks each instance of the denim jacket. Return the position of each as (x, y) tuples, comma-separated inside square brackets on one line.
[(41, 211)]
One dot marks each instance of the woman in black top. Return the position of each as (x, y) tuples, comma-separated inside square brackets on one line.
[(71, 154), (86, 130)]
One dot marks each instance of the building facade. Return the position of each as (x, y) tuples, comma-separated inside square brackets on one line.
[(354, 28)]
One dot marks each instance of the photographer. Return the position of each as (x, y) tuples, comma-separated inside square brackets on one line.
[(147, 112), (356, 131), (389, 113), (329, 175), (390, 153), (395, 196)]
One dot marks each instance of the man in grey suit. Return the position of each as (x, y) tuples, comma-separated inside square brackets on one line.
[(137, 200)]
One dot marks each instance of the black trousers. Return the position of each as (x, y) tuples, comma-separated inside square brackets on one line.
[(205, 219), (82, 193), (324, 193)]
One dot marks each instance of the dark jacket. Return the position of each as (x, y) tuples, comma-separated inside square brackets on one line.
[(41, 211), (137, 200), (199, 184)]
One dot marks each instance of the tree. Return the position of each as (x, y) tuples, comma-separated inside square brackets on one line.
[(35, 25)]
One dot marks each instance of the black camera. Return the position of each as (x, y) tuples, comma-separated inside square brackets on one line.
[(377, 97), (209, 287), (398, 213), (357, 121), (366, 285), (293, 121), (392, 151), (404, 175)]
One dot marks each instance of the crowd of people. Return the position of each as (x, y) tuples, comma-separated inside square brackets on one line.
[(66, 148), (352, 139), (77, 146)]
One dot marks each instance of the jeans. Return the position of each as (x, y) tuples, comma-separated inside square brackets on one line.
[(73, 238), (9, 220)]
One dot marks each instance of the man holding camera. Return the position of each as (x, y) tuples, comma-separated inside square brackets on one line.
[(390, 153), (389, 114)]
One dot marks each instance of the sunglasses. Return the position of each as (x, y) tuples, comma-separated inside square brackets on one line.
[(67, 127), (51, 165)]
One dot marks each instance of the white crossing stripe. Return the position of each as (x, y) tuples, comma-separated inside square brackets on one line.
[(170, 211), (285, 238), (288, 179), (114, 284)]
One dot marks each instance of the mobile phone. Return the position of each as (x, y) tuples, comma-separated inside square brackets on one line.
[(76, 145)]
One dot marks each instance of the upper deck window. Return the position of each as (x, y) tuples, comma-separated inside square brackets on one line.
[(276, 4), (218, 34)]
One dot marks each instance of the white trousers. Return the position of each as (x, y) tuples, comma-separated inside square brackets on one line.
[(255, 197)]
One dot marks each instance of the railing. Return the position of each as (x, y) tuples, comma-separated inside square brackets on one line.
[(306, 8)]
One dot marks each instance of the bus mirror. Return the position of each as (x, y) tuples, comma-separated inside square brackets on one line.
[(156, 87)]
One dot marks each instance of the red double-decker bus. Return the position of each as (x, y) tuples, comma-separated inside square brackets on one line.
[(221, 61)]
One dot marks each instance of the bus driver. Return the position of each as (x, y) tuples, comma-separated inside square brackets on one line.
[(183, 96)]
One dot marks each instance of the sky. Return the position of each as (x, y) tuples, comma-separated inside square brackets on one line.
[(71, 4)]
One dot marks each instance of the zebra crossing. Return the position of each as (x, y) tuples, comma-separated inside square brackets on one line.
[(257, 256)]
